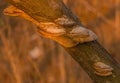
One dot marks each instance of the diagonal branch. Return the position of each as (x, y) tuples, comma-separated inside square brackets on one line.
[(57, 22)]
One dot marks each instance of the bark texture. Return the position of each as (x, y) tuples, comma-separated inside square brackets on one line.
[(91, 55)]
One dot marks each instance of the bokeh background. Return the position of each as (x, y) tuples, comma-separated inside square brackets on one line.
[(27, 57)]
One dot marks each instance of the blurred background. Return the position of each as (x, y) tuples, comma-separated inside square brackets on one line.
[(26, 57)]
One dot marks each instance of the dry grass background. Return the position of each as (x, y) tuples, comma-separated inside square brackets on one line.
[(26, 57)]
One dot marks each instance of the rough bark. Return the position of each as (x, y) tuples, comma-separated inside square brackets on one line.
[(93, 58)]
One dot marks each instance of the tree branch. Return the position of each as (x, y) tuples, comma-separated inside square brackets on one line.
[(88, 54), (57, 22)]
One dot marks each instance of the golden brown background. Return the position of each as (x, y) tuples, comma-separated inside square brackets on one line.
[(26, 57)]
